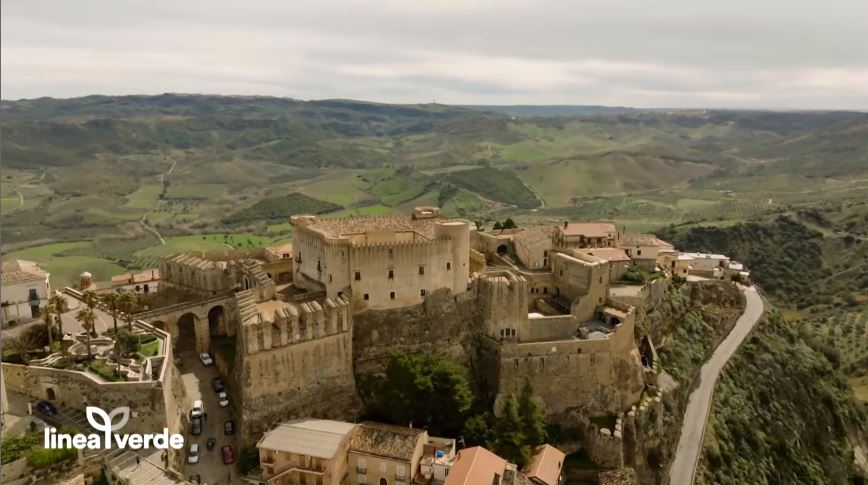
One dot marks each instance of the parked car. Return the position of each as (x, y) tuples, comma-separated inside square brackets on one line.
[(46, 407), (223, 399), (217, 384), (193, 454), (206, 359), (197, 427), (198, 409), (228, 457), (229, 427), (210, 444)]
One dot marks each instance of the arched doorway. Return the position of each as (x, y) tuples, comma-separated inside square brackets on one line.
[(383, 481), (502, 250), (186, 339), (216, 321), (49, 393)]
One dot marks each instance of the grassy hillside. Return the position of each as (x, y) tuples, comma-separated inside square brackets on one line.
[(280, 208), (782, 414), (496, 184)]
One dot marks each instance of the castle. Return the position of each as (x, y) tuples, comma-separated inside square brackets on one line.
[(534, 306)]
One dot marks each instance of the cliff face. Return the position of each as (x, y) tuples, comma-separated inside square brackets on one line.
[(686, 325)]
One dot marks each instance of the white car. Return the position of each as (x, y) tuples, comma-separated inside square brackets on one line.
[(198, 409), (223, 399), (193, 454), (206, 359)]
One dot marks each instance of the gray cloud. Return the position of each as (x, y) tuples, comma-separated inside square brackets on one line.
[(670, 53)]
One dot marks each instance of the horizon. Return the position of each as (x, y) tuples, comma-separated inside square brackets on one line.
[(676, 55)]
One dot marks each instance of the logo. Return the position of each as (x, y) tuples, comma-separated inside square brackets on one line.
[(105, 422)]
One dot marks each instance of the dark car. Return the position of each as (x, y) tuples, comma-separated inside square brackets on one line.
[(217, 384), (228, 457), (197, 427), (196, 478), (46, 407), (229, 427), (210, 444)]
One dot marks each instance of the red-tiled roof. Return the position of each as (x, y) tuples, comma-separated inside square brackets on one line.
[(475, 466), (546, 465)]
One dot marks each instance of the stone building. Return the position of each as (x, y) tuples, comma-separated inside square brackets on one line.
[(25, 290), (310, 451), (384, 454), (382, 262), (587, 235)]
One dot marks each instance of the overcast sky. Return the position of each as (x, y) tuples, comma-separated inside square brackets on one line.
[(646, 53)]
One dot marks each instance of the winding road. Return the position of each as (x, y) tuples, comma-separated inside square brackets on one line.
[(144, 219), (699, 405)]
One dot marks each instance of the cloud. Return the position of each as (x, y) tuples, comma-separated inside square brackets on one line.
[(674, 53)]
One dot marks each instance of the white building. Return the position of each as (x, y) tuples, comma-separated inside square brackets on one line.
[(24, 292)]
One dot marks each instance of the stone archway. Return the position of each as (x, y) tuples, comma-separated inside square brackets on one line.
[(502, 250), (192, 333), (49, 394), (217, 321)]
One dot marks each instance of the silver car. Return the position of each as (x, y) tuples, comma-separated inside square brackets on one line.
[(193, 454)]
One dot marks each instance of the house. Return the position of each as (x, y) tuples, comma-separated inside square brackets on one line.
[(617, 258), (25, 290), (642, 249), (311, 451), (277, 263), (438, 456), (477, 466), (586, 235), (384, 454), (545, 466), (145, 282)]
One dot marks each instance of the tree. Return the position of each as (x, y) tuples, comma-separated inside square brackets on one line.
[(508, 224), (86, 317), (32, 338), (61, 306), (532, 419), (125, 343), (510, 442), (425, 390), (497, 226), (113, 301), (47, 312), (90, 298), (128, 301)]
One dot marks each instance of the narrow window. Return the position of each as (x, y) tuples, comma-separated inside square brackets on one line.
[(422, 292), (421, 270), (391, 274), (391, 252), (358, 276), (546, 290), (639, 253), (367, 297), (391, 295), (448, 266), (330, 278)]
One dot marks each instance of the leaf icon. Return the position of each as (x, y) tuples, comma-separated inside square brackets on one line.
[(124, 413), (98, 419)]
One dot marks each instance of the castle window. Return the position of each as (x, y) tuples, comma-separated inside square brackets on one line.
[(562, 271), (358, 276), (639, 253), (367, 297), (601, 279), (391, 295), (448, 266), (421, 270), (391, 274), (330, 278), (422, 292), (546, 290), (391, 252)]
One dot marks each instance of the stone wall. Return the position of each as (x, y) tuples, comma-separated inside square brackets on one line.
[(443, 323)]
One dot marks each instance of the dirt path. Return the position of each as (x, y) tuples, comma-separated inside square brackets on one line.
[(144, 220)]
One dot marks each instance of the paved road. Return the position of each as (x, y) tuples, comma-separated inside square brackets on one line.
[(699, 405), (197, 383), (70, 324)]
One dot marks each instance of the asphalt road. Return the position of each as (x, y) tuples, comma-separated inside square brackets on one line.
[(699, 404), (197, 383)]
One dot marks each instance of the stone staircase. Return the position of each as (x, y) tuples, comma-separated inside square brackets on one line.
[(255, 269), (246, 306)]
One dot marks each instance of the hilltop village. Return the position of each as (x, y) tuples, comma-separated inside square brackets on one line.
[(289, 330)]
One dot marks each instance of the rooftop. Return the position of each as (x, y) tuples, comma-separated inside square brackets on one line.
[(281, 250), (147, 275), (386, 440), (319, 438), (21, 271), (475, 466), (361, 225), (636, 239), (588, 229), (609, 254), (546, 465)]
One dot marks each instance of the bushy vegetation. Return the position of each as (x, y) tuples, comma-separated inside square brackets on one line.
[(496, 184), (782, 414), (280, 208)]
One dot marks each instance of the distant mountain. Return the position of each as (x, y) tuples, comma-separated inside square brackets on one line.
[(527, 110)]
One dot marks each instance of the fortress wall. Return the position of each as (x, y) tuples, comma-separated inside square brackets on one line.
[(404, 259), (312, 378), (549, 328)]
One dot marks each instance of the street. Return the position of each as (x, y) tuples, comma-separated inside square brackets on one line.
[(197, 382), (699, 405)]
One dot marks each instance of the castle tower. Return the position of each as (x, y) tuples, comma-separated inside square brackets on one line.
[(503, 300), (459, 233)]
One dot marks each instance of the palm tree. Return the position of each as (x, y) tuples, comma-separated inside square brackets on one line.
[(128, 301), (47, 312), (86, 317), (90, 298), (113, 301), (61, 306)]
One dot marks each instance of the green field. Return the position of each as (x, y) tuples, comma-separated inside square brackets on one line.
[(65, 270)]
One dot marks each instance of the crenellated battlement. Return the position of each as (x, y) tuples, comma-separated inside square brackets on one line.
[(278, 324)]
